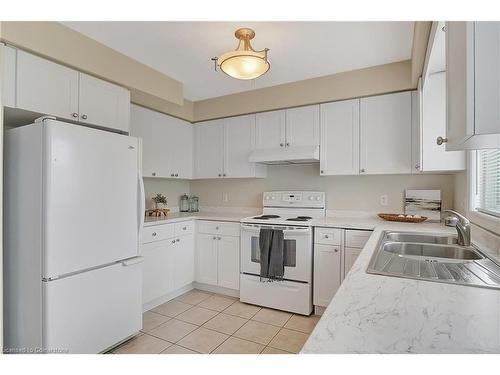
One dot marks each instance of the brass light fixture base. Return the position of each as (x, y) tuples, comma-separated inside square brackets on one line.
[(244, 33)]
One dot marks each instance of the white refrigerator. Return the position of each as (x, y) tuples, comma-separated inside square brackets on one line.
[(73, 212)]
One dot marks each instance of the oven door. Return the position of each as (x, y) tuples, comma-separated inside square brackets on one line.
[(298, 251)]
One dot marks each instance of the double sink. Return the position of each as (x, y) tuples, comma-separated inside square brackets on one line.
[(433, 257)]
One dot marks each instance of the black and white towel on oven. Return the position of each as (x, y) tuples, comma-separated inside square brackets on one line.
[(272, 254)]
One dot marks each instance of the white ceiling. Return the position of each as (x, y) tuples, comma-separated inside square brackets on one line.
[(298, 50)]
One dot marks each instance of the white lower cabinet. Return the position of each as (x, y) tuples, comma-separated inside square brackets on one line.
[(327, 274), (218, 255), (335, 251), (168, 261)]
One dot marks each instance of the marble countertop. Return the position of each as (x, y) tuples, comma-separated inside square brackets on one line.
[(381, 314)]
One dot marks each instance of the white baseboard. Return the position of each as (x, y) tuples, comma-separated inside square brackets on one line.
[(217, 289), (319, 310), (167, 297)]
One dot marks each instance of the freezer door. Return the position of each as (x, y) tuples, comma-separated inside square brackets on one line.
[(90, 198), (92, 311)]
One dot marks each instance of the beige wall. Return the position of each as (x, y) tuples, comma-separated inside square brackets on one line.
[(342, 192), (363, 82), (172, 189)]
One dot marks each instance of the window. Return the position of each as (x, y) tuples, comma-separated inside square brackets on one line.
[(488, 182)]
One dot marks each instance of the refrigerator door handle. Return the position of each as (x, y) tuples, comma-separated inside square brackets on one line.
[(142, 206), (132, 261)]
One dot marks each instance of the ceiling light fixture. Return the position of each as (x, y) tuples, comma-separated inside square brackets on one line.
[(244, 62)]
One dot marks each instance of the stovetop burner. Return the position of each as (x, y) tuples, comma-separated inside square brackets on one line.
[(267, 217), (300, 218)]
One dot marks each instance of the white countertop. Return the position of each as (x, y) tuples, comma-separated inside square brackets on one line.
[(183, 216), (381, 314)]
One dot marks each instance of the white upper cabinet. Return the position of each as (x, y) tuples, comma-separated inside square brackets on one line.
[(302, 126), (473, 85), (270, 129), (167, 143), (239, 141), (8, 73), (432, 124), (209, 149), (385, 131), (104, 104), (339, 151), (46, 87), (288, 128), (222, 148)]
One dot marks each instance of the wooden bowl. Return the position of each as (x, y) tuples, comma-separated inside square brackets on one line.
[(395, 217)]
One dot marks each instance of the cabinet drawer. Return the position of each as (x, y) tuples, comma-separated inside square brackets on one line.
[(182, 228), (219, 227), (327, 236), (157, 233), (357, 238)]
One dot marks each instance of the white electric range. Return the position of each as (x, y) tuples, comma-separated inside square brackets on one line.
[(292, 212)]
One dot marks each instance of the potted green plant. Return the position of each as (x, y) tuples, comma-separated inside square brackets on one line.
[(160, 201)]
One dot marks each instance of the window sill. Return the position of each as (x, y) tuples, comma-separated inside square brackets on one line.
[(485, 221)]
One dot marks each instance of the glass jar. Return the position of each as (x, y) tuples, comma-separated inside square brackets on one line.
[(184, 203), (194, 203)]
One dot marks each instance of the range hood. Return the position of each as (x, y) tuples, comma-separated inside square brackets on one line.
[(287, 155)]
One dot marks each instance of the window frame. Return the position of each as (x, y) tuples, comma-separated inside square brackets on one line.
[(487, 221)]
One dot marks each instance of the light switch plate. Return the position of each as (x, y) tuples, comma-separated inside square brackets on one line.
[(384, 200)]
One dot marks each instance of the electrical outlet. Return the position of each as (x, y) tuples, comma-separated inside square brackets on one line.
[(225, 197), (384, 200)]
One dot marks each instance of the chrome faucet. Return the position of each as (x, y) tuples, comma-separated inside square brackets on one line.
[(462, 226)]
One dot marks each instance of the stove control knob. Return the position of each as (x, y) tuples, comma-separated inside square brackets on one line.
[(311, 198), (317, 198), (272, 198)]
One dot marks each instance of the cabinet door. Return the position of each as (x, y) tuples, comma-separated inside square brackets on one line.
[(46, 87), (326, 273), (434, 157), (206, 259), (157, 270), (302, 126), (270, 129), (209, 141), (487, 78), (239, 141), (147, 125), (385, 124), (8, 73), (104, 104), (340, 138), (228, 255), (350, 256), (183, 255), (180, 146)]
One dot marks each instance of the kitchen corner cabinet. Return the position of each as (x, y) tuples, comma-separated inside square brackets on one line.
[(167, 143), (48, 88), (292, 127), (339, 147), (385, 134), (222, 148), (473, 85), (218, 254), (431, 123)]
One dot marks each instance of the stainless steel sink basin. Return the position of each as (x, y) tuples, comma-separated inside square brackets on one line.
[(426, 250), (421, 238), (425, 256)]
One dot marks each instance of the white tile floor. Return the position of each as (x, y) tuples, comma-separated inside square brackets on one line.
[(202, 322)]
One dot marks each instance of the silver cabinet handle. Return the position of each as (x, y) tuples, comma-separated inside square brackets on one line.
[(154, 234), (281, 144), (362, 170), (84, 117), (322, 171), (216, 228), (218, 238), (215, 238), (223, 175), (336, 250), (326, 235), (178, 240), (171, 175), (417, 166), (287, 144), (184, 228), (173, 241), (176, 175), (74, 114), (153, 174), (440, 140), (220, 175)]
